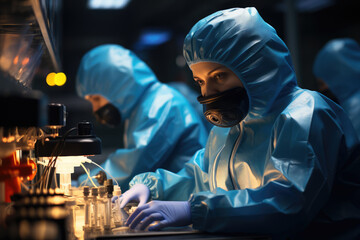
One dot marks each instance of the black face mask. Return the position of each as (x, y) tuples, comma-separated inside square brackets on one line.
[(108, 115), (226, 109)]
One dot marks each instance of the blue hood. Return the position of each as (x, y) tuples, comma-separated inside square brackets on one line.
[(259, 58), (117, 74), (337, 64)]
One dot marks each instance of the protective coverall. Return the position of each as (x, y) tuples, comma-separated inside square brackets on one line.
[(338, 65), (162, 130), (288, 164)]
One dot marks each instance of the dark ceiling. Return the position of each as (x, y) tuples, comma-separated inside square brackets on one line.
[(83, 29), (125, 24)]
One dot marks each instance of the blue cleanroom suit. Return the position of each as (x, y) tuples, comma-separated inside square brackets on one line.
[(338, 65), (289, 163), (161, 127)]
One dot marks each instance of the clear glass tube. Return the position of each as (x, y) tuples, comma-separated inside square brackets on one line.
[(95, 214), (65, 183), (101, 209), (116, 214), (87, 212), (108, 214), (102, 200), (120, 215)]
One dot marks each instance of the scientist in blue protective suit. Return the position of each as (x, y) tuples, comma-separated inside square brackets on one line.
[(162, 130), (280, 161), (337, 67)]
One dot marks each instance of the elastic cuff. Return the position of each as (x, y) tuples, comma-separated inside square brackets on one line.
[(199, 212), (150, 181)]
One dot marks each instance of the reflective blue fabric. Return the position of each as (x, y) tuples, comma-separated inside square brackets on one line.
[(338, 65), (162, 128), (287, 164)]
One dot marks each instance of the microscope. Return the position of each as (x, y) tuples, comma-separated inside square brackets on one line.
[(36, 163)]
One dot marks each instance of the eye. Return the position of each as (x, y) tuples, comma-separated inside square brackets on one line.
[(219, 77), (96, 98), (200, 82)]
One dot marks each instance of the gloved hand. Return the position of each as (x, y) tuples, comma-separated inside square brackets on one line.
[(138, 192), (169, 213)]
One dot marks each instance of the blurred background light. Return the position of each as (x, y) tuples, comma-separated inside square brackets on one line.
[(50, 79), (152, 37), (60, 79), (107, 4)]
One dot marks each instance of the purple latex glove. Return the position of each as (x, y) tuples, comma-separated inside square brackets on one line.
[(169, 213), (138, 192)]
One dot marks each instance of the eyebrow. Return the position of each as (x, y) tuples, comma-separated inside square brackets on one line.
[(215, 69), (209, 73)]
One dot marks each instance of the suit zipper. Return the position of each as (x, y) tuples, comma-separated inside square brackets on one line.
[(231, 163), (213, 169)]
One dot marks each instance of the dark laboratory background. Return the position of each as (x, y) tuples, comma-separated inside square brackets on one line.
[(155, 30)]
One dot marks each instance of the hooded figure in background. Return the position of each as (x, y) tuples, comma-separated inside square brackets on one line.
[(280, 163), (337, 65), (191, 95), (162, 130)]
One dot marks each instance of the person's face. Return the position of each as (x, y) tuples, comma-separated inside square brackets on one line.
[(97, 101), (214, 78)]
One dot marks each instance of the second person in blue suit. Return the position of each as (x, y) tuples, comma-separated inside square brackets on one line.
[(162, 130), (338, 66)]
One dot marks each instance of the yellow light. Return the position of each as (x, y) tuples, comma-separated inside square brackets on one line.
[(50, 79), (60, 79)]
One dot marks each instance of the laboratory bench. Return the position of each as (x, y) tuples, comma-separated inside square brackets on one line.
[(171, 233)]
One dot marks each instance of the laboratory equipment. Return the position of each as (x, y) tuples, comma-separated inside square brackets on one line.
[(69, 152), (94, 210), (21, 116), (71, 207), (24, 212), (84, 143), (101, 177), (120, 215), (27, 212), (102, 201), (87, 209), (108, 210), (38, 215)]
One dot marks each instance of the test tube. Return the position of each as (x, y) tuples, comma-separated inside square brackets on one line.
[(102, 204), (65, 182), (109, 189), (71, 206), (120, 215), (94, 204), (86, 192)]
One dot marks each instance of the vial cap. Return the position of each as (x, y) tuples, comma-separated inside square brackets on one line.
[(109, 186), (94, 191), (86, 191), (117, 190), (102, 190)]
